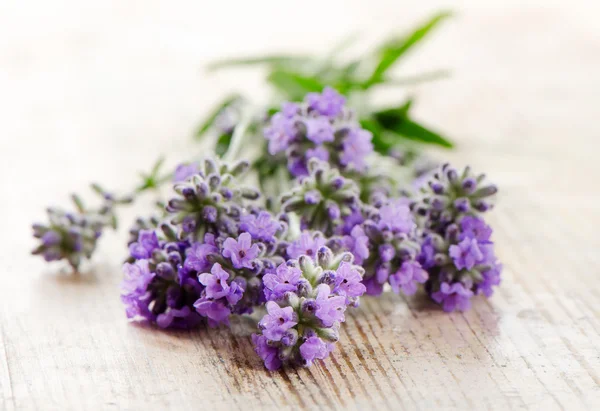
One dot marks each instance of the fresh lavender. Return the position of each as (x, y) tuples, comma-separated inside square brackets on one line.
[(323, 198), (158, 288), (73, 236), (386, 245), (232, 268), (461, 263), (457, 250), (447, 195), (210, 201), (307, 299), (321, 127)]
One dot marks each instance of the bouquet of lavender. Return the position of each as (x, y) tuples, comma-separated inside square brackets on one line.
[(297, 254)]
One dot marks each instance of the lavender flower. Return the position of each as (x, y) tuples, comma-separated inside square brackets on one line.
[(157, 288), (321, 128), (237, 266), (73, 236), (461, 263), (146, 244), (323, 198), (219, 296), (307, 244), (278, 321), (210, 201), (285, 278), (185, 171), (449, 195), (386, 245), (241, 251), (140, 224), (455, 296), (261, 226), (307, 299)]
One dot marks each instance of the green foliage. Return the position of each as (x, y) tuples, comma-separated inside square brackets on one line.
[(293, 76)]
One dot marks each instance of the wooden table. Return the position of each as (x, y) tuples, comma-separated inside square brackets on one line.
[(95, 93)]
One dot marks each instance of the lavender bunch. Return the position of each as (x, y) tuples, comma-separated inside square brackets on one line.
[(73, 236), (321, 127), (306, 301), (457, 250), (323, 198)]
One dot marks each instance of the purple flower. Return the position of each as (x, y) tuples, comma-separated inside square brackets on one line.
[(319, 130), (453, 297), (285, 279), (330, 308), (466, 254), (240, 251), (358, 244), (269, 354), (289, 110), (134, 289), (277, 321), (147, 242), (185, 171), (491, 278), (312, 349), (215, 282), (351, 221), (426, 258), (280, 133), (318, 152), (357, 145), (167, 318), (297, 166), (396, 216), (406, 278), (197, 254), (329, 103), (474, 227), (51, 238), (348, 281), (216, 312), (261, 227), (306, 244)]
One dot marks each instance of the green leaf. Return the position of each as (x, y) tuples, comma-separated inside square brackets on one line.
[(389, 117), (294, 85), (223, 143), (390, 52), (275, 60), (411, 130), (208, 122)]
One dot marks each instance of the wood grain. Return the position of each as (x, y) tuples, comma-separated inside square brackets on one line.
[(81, 102)]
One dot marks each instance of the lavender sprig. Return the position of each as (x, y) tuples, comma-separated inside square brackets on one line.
[(210, 201), (386, 245), (323, 198), (73, 236), (157, 287), (447, 195), (307, 299), (457, 250), (321, 127)]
